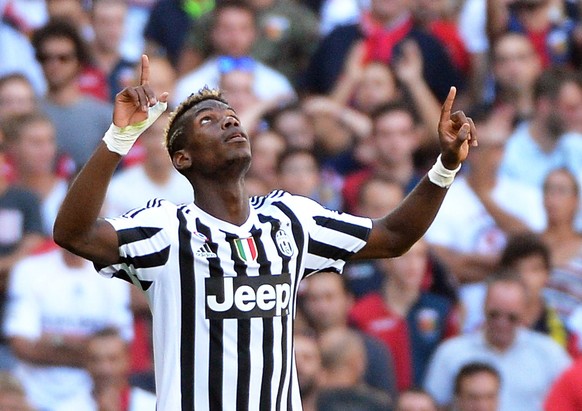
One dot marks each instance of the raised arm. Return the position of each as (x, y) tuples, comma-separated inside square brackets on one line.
[(395, 233), (78, 227)]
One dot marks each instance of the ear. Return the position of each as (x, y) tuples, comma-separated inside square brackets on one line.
[(181, 160)]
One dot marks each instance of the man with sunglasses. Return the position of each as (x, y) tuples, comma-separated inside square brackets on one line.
[(63, 55), (528, 361)]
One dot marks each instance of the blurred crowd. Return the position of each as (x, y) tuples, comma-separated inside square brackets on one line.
[(341, 99)]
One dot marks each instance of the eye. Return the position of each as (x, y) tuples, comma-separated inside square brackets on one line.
[(205, 120)]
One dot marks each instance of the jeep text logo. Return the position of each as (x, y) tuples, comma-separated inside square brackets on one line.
[(247, 297)]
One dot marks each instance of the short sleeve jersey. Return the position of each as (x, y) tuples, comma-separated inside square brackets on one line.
[(223, 296)]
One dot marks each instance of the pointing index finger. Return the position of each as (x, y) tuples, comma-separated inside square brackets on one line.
[(144, 77), (448, 105)]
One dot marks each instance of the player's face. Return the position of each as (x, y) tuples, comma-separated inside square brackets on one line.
[(218, 143)]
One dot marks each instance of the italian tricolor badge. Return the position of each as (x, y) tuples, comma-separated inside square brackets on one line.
[(246, 249)]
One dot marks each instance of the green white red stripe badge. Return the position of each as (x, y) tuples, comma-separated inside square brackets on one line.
[(246, 249)]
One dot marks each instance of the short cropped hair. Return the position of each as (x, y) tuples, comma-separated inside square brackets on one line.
[(14, 126), (523, 245), (473, 368), (178, 124)]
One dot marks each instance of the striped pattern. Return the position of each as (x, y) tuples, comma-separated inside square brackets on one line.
[(223, 336)]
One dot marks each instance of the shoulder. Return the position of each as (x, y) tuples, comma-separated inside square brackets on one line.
[(540, 342), (456, 348), (156, 211)]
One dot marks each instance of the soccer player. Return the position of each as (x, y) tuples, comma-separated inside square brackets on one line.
[(222, 273)]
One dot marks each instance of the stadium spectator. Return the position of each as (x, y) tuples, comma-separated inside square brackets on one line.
[(233, 33), (308, 368), (376, 196), (471, 229), (62, 54), (382, 30), (107, 21), (547, 140), (415, 399), (326, 303), (343, 360), (298, 172), (287, 35), (18, 55), (107, 360), (545, 22), (565, 394), (477, 388), (21, 234), (55, 302), (395, 136), (32, 146), (16, 96), (561, 202), (267, 147), (527, 361), (409, 321), (167, 27), (515, 69)]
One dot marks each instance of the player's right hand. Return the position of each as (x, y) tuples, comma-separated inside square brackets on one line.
[(132, 103)]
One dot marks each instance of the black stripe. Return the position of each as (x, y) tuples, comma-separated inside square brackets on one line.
[(343, 227), (130, 235), (216, 331), (299, 238), (327, 250), (243, 336), (188, 317), (124, 275), (309, 271), (156, 202), (148, 260), (268, 334)]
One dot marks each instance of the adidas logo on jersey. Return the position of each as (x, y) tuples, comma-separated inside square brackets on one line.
[(263, 296), (205, 252)]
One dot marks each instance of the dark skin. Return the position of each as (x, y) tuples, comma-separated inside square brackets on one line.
[(215, 160)]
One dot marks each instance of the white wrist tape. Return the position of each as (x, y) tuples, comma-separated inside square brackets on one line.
[(120, 139), (440, 175)]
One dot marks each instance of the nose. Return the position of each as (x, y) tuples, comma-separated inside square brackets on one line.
[(230, 121)]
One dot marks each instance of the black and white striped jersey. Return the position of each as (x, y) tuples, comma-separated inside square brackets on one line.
[(223, 296)]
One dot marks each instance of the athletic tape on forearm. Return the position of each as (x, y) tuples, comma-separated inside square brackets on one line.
[(440, 175), (120, 139)]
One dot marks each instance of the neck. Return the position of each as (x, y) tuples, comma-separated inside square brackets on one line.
[(227, 201), (399, 297), (65, 95), (558, 230), (534, 310), (542, 136), (105, 57)]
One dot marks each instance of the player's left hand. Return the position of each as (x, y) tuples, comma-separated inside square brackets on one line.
[(456, 133)]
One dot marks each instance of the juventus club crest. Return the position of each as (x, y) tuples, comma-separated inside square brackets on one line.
[(246, 249), (283, 243)]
